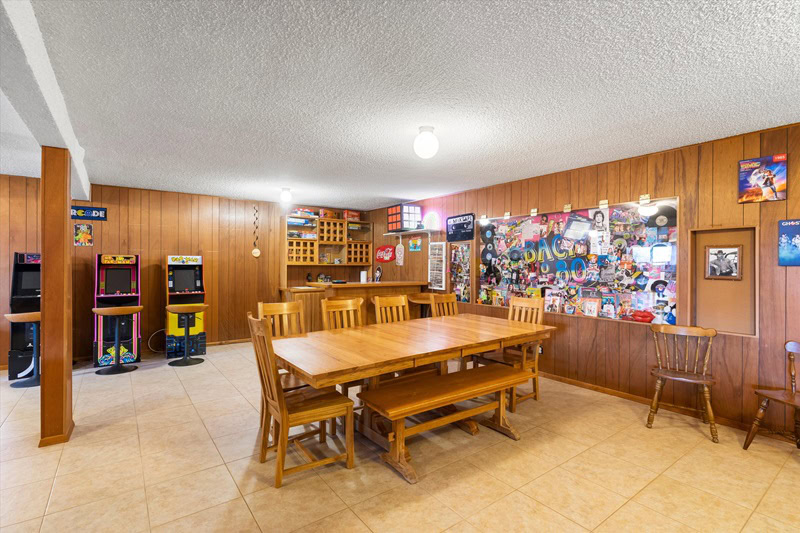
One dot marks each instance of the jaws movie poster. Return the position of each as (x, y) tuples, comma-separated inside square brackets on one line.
[(619, 262)]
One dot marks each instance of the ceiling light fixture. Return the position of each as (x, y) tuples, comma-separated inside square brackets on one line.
[(426, 144), (286, 196)]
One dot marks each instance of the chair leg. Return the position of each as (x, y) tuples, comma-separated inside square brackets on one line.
[(349, 437), (283, 444), (266, 427), (654, 404), (535, 383), (710, 413), (701, 401), (323, 431), (762, 410)]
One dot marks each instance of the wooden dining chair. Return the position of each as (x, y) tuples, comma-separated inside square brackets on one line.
[(526, 356), (785, 397), (341, 314), (678, 364), (390, 309), (286, 319), (300, 407), (444, 304)]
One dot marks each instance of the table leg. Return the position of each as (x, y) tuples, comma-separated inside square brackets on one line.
[(396, 457), (499, 422)]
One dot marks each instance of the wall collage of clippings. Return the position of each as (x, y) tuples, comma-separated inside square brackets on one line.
[(618, 262)]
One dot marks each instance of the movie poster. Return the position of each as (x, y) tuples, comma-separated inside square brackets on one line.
[(459, 271), (762, 179), (789, 242), (610, 263)]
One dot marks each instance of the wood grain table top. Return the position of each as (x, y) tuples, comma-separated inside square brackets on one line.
[(325, 358), (370, 284)]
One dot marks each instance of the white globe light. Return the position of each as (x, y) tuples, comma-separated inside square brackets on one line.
[(426, 144), (286, 196)]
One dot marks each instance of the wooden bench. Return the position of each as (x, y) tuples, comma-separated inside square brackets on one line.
[(397, 401)]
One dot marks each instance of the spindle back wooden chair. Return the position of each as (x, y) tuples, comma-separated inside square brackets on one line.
[(390, 309), (785, 397), (444, 305), (688, 360), (341, 314), (297, 408), (526, 356), (286, 319)]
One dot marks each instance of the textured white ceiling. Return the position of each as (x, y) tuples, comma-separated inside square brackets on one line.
[(242, 98), (20, 154)]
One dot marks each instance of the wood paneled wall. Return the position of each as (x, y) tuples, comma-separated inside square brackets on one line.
[(155, 224), (19, 232), (618, 355)]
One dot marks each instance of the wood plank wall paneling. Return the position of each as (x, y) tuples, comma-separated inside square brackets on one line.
[(618, 355)]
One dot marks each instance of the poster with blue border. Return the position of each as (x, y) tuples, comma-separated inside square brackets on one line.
[(789, 242)]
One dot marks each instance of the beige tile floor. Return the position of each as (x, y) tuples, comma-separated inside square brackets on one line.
[(174, 449)]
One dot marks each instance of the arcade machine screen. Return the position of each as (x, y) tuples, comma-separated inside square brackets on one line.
[(184, 280), (29, 282), (118, 280)]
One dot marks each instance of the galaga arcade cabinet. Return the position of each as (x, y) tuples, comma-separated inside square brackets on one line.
[(117, 285), (26, 290), (185, 286)]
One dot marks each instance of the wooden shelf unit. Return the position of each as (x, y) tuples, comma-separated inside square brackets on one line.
[(347, 240)]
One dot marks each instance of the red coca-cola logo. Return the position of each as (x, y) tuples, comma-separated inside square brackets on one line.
[(385, 254)]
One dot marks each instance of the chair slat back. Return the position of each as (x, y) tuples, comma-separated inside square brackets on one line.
[(390, 309), (286, 319), (444, 305), (528, 310), (341, 314), (271, 388), (682, 347), (792, 349)]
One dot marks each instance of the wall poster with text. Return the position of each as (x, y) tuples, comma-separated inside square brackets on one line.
[(459, 270), (618, 262)]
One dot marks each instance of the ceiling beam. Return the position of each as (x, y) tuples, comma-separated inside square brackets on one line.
[(30, 84)]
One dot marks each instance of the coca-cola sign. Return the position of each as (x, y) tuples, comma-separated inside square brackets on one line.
[(385, 254)]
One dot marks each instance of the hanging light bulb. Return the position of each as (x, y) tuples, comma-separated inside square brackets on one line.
[(286, 196), (426, 144)]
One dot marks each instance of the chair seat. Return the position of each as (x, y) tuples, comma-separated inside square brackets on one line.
[(781, 396), (310, 405), (680, 375), (290, 382)]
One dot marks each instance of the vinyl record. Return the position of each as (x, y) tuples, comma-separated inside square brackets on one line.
[(667, 216), (490, 246), (487, 233), (515, 254), (487, 256)]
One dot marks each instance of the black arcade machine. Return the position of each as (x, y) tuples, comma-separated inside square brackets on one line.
[(26, 288)]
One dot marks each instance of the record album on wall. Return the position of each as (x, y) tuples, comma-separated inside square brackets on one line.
[(762, 179)]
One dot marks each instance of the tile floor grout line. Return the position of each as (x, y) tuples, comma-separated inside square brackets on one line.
[(755, 509)]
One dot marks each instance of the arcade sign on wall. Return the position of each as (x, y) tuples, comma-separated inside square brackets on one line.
[(82, 212), (385, 254)]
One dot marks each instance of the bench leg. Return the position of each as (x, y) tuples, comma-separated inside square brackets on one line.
[(499, 422), (396, 457), (468, 425), (349, 437)]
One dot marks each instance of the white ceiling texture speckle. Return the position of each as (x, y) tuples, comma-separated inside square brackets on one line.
[(240, 98)]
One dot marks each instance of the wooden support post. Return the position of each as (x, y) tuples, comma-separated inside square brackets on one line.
[(56, 305)]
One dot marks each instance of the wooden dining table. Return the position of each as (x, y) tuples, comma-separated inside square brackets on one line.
[(326, 358)]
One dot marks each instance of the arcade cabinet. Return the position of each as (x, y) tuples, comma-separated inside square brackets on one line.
[(185, 286), (117, 285), (26, 290)]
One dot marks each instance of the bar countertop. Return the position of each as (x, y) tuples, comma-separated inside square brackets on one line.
[(372, 284)]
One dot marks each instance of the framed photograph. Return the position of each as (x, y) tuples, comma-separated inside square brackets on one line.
[(723, 262)]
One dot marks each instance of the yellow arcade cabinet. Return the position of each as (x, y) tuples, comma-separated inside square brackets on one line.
[(185, 286)]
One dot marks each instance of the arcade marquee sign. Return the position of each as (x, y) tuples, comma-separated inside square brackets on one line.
[(82, 212)]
